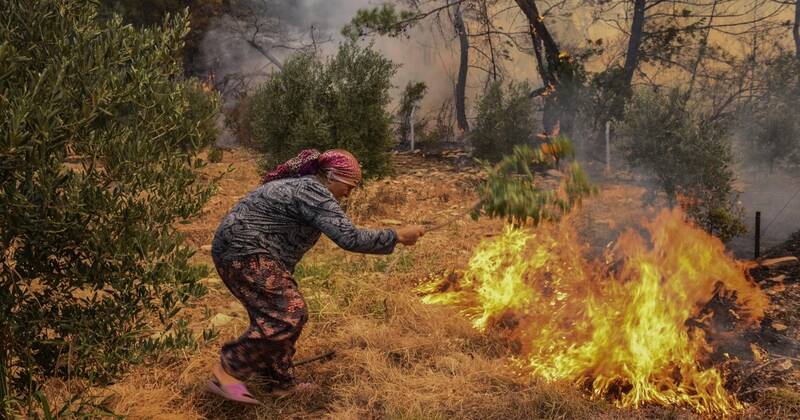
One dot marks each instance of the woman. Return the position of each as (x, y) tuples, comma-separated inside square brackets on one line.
[(256, 248)]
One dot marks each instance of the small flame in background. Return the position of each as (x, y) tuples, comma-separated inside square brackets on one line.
[(617, 327), (208, 83)]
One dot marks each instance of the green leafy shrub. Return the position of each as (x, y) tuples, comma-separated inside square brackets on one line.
[(215, 155), (506, 117), (339, 103), (99, 138), (776, 131), (688, 154), (152, 12), (607, 94), (409, 107), (513, 187)]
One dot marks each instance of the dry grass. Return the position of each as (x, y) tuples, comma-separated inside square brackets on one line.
[(395, 357)]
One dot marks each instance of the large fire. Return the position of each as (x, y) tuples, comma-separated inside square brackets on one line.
[(616, 327)]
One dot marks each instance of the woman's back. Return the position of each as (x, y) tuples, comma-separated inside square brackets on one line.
[(284, 218)]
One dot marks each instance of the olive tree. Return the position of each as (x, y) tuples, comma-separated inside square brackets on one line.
[(689, 156), (506, 117), (99, 137), (337, 103)]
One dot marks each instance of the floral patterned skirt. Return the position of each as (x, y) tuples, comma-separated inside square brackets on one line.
[(277, 314)]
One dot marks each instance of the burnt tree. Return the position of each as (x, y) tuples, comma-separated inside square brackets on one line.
[(463, 65), (635, 41), (555, 69)]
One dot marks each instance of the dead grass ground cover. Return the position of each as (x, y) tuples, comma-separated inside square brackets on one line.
[(395, 357)]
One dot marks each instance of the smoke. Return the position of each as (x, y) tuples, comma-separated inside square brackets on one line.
[(773, 190), (766, 141), (775, 196), (428, 54)]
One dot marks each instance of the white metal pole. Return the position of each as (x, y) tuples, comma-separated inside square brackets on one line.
[(608, 147), (411, 129)]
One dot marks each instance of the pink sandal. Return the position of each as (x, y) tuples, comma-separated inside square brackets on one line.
[(234, 392)]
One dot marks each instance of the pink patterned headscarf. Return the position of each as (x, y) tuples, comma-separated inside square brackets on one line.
[(336, 165)]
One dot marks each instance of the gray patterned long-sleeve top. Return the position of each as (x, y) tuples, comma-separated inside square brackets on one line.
[(285, 218)]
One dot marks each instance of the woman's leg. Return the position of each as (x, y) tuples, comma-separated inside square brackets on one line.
[(277, 313)]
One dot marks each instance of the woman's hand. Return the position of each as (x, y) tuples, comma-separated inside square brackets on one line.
[(408, 235)]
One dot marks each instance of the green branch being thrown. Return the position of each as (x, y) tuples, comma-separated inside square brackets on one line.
[(511, 190)]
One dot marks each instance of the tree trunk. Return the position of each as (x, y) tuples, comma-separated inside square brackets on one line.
[(532, 13), (461, 83), (796, 29), (634, 42), (485, 12), (5, 389), (546, 51), (541, 66), (265, 52), (701, 52)]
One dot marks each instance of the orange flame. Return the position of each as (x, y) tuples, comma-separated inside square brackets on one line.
[(207, 84), (619, 330)]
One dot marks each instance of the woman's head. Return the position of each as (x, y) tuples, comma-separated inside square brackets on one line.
[(338, 168), (340, 165), (341, 171)]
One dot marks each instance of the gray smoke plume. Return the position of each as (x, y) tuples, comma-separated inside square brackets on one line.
[(773, 191), (286, 26)]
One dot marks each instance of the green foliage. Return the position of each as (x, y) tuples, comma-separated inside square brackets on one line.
[(669, 36), (76, 406), (513, 191), (776, 135), (141, 12), (99, 138), (412, 95), (215, 155), (152, 13), (688, 155), (384, 19), (506, 117), (608, 93), (340, 103), (570, 89)]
